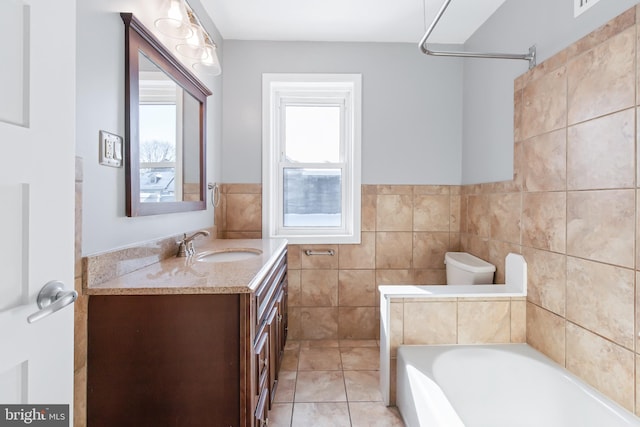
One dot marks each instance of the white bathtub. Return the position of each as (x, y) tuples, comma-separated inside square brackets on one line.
[(501, 385)]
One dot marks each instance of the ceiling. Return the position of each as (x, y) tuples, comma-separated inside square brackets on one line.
[(348, 20)]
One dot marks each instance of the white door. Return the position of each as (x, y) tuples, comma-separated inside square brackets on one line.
[(37, 146)]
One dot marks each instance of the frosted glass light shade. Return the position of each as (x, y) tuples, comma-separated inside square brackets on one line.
[(174, 22), (194, 46), (210, 64)]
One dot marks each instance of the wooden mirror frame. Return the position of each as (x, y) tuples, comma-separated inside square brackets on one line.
[(139, 40)]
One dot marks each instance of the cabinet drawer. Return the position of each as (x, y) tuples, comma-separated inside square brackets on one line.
[(261, 351), (267, 290)]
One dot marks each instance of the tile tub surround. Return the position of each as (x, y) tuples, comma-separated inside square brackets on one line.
[(574, 208), (456, 314), (406, 231)]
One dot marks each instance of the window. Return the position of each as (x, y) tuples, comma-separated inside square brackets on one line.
[(161, 105), (311, 157)]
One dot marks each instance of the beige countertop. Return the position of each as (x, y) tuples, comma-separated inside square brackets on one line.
[(190, 276)]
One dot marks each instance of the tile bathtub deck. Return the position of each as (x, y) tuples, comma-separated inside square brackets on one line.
[(331, 383)]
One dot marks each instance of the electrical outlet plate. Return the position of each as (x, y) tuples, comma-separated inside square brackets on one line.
[(579, 6), (110, 149)]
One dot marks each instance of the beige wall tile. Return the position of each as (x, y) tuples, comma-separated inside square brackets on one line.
[(544, 104), (295, 290), (601, 152), (637, 313), (518, 321), (431, 212), (357, 288), (613, 27), (546, 332), (394, 212), (475, 245), (429, 249), (359, 256), (393, 249), (545, 168), (601, 363), (430, 277), (357, 323), (432, 189), (602, 79), (478, 215), (600, 298), (80, 397), (600, 226), (484, 322), (319, 288), (394, 277), (430, 323), (244, 212), (637, 384), (517, 110), (454, 213), (505, 217), (318, 323), (294, 331), (547, 279), (294, 260), (544, 221), (368, 212)]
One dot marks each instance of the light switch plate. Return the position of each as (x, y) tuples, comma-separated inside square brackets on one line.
[(110, 149), (579, 6)]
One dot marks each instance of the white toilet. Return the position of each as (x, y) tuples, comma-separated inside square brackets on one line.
[(466, 269)]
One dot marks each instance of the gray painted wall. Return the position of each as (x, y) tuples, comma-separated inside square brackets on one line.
[(412, 107), (487, 149), (100, 105)]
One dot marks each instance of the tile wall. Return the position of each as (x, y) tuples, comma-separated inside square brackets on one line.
[(454, 321), (571, 209), (406, 231)]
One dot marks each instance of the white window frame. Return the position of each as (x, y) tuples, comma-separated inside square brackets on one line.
[(279, 90)]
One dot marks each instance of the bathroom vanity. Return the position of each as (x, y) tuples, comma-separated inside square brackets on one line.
[(189, 341)]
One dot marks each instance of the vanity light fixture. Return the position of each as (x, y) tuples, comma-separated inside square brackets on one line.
[(174, 22), (196, 44), (193, 47), (209, 63)]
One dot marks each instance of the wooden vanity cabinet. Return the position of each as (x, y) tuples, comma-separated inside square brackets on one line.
[(186, 360)]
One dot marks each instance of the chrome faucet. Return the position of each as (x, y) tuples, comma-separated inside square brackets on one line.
[(185, 246)]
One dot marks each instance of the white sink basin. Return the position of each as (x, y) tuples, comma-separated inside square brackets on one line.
[(228, 255)]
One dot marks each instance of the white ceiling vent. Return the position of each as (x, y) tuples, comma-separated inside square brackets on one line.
[(580, 6)]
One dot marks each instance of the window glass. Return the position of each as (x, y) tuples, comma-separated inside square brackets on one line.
[(312, 197), (312, 134)]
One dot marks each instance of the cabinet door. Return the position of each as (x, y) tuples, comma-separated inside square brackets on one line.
[(261, 415), (272, 327)]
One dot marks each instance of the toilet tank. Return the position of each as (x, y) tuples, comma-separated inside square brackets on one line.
[(466, 269)]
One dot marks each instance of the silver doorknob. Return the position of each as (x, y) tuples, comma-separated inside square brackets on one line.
[(51, 298)]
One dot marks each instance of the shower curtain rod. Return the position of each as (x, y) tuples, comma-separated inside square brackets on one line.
[(531, 56)]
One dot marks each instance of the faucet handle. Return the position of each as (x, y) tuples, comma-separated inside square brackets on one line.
[(182, 246)]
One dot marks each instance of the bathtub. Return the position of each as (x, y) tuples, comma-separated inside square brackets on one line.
[(499, 385)]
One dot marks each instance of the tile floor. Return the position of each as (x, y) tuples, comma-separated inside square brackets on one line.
[(331, 384)]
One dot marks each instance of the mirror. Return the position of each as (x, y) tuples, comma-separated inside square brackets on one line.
[(164, 128)]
